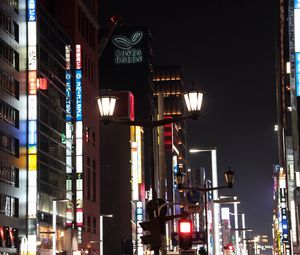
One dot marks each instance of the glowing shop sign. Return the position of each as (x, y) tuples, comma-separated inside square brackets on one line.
[(68, 96), (32, 127), (69, 130), (78, 76), (126, 53), (79, 141), (31, 10), (297, 70), (297, 4)]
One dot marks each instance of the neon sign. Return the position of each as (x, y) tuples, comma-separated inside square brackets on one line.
[(32, 126), (126, 52), (79, 141)]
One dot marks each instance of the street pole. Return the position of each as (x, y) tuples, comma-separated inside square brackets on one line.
[(236, 226), (54, 227), (206, 219)]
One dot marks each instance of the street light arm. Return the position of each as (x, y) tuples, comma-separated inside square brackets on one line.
[(151, 124), (163, 122), (206, 189)]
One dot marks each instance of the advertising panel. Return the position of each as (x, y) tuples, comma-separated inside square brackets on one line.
[(32, 126), (79, 143)]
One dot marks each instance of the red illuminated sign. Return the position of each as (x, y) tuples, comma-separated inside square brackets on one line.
[(32, 82)]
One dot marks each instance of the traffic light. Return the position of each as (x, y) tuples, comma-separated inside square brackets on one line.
[(229, 248), (185, 231), (152, 235)]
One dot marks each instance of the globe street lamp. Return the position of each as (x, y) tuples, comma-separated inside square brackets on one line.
[(107, 103), (229, 178)]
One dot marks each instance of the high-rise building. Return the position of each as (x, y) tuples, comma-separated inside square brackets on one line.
[(49, 169), (286, 222), (125, 65), (13, 124), (168, 87), (79, 20)]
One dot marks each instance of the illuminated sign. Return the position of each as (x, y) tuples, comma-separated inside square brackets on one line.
[(68, 96), (31, 12), (32, 126), (79, 143), (69, 130), (297, 45), (139, 230), (78, 76), (126, 52)]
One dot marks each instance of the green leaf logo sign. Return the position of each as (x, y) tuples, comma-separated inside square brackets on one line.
[(124, 43)]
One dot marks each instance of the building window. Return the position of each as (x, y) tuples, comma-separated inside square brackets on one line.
[(9, 114), (9, 144), (9, 84), (14, 4), (9, 55), (9, 174), (9, 206), (94, 179), (88, 228), (10, 26), (94, 138), (94, 225)]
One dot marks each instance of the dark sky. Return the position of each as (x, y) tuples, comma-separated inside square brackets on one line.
[(227, 48)]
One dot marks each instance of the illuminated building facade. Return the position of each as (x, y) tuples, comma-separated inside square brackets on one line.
[(288, 92), (13, 125), (124, 152), (80, 22), (168, 82)]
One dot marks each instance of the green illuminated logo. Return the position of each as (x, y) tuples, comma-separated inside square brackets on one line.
[(126, 53), (124, 43)]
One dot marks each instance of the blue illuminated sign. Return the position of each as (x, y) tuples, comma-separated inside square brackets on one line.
[(78, 76), (68, 96), (31, 14), (297, 71), (284, 223), (297, 4)]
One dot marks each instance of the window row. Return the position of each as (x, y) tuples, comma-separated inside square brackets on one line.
[(7, 23), (9, 237), (9, 206), (90, 180), (9, 144), (88, 68), (9, 114), (90, 138), (9, 174), (86, 28), (9, 84), (14, 4), (9, 54), (90, 224)]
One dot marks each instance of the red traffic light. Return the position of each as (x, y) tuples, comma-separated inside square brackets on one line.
[(229, 247), (185, 227), (185, 231)]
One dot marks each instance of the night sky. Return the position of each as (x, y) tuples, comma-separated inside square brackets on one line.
[(227, 48)]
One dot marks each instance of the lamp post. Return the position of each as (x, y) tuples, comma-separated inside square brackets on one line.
[(229, 178), (216, 207), (54, 213), (107, 103), (101, 230)]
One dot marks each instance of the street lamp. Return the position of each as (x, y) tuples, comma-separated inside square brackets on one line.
[(107, 103), (229, 178)]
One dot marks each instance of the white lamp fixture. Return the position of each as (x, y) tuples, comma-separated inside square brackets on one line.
[(106, 104), (193, 100)]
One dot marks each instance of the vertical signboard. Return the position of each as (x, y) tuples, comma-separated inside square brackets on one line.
[(32, 126), (69, 128), (79, 143), (297, 45)]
